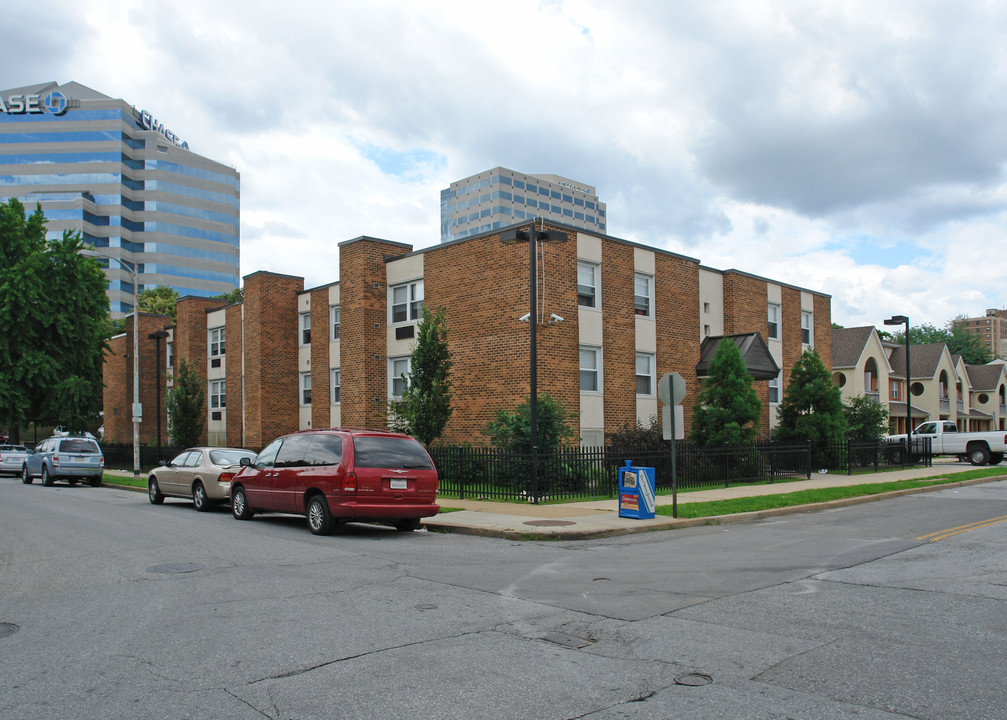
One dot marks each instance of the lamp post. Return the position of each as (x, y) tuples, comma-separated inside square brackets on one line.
[(898, 320), (533, 237), (137, 407), (157, 337)]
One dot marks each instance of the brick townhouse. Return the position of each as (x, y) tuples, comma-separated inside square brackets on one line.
[(614, 317)]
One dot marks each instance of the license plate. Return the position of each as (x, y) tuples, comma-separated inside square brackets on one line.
[(398, 484)]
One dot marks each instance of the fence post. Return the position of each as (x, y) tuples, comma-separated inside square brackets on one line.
[(808, 459)]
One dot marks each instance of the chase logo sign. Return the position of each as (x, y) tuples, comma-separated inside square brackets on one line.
[(149, 122), (54, 103)]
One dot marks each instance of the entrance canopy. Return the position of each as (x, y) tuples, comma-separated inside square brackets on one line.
[(754, 352)]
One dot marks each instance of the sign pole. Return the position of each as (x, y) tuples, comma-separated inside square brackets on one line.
[(671, 390)]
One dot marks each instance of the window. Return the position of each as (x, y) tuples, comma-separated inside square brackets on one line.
[(407, 302), (587, 284), (398, 375), (590, 369), (642, 288), (305, 328), (774, 390), (895, 389), (806, 327), (774, 321), (335, 386), (644, 374), (706, 331), (334, 321), (305, 388), (706, 308), (218, 394), (216, 341), (169, 348)]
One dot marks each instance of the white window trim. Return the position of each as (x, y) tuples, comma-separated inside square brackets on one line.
[(651, 363), (773, 321), (597, 284), (807, 315), (597, 369), (336, 381), (649, 296), (393, 376), (414, 289), (333, 325), (305, 385), (217, 392), (304, 324), (774, 383), (220, 342)]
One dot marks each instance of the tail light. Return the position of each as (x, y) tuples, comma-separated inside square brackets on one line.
[(350, 482), (225, 477), (55, 459), (101, 461)]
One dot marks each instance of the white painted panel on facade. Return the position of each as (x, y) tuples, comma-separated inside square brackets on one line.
[(644, 261), (304, 358), (589, 248), (335, 415), (646, 410), (396, 348), (304, 302), (404, 270), (711, 302), (304, 417), (646, 334), (807, 301), (592, 411), (334, 294), (774, 293), (590, 323)]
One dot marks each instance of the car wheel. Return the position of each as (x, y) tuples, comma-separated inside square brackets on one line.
[(154, 492), (239, 504), (319, 517), (47, 479), (25, 477), (407, 525), (979, 456), (95, 481), (199, 499)]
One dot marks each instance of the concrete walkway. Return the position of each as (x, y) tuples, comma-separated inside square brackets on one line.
[(585, 520)]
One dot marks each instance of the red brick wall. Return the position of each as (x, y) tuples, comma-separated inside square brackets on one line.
[(271, 378), (676, 306), (746, 309), (363, 319), (618, 334)]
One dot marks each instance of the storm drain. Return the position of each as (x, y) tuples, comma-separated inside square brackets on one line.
[(550, 523), (179, 567), (693, 679), (7, 629)]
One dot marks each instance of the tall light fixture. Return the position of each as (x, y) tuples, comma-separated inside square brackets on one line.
[(533, 237), (899, 320), (137, 407)]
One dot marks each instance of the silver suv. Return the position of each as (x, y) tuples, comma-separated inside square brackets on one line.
[(70, 458)]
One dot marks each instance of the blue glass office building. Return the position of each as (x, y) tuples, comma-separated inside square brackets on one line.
[(499, 197), (133, 188)]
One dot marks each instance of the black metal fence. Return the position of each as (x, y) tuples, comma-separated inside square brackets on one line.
[(579, 473), (120, 456)]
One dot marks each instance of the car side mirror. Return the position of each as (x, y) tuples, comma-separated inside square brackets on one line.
[(245, 462)]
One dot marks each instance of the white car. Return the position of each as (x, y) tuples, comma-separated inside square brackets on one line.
[(12, 458)]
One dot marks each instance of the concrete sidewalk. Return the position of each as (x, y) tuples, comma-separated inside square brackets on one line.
[(585, 520)]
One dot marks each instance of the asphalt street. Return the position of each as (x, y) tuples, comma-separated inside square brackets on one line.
[(113, 608)]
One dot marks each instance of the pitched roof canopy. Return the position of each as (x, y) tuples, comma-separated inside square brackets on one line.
[(754, 352)]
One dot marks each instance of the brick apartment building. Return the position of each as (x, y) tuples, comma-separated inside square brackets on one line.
[(288, 357)]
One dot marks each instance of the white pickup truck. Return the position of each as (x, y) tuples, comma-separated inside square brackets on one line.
[(979, 448)]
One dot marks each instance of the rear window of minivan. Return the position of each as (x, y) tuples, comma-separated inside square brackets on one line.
[(78, 445), (389, 452)]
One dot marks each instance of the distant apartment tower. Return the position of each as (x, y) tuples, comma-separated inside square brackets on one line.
[(130, 186), (992, 328), (500, 197)]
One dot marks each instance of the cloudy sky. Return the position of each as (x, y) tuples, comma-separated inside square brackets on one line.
[(853, 147)]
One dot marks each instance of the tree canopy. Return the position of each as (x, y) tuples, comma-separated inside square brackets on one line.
[(236, 295), (511, 429), (185, 404), (866, 418), (812, 406), (54, 310), (160, 300), (959, 339), (727, 409)]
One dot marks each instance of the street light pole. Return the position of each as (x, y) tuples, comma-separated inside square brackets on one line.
[(898, 320), (137, 408)]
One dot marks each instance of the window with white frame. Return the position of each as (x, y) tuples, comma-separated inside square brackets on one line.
[(305, 328), (587, 284), (774, 389), (706, 331), (806, 324), (218, 394), (590, 369), (774, 321), (895, 392), (334, 321), (407, 302), (645, 374), (336, 386), (216, 336), (169, 349), (643, 294), (305, 388), (398, 375)]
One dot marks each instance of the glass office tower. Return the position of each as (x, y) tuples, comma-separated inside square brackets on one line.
[(132, 187)]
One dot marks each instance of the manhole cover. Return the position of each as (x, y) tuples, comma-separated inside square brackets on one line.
[(550, 523), (426, 606), (176, 568), (566, 640), (694, 679), (7, 629)]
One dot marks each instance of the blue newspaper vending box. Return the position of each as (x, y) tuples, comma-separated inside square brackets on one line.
[(636, 492)]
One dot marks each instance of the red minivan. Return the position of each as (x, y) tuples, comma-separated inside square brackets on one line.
[(339, 475)]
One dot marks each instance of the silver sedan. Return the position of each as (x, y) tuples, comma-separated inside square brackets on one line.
[(12, 458), (200, 473)]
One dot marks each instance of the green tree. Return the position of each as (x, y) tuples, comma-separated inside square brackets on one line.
[(969, 345), (511, 429), (727, 409), (236, 295), (637, 435), (186, 418), (812, 407), (160, 300), (866, 418), (425, 406), (54, 311)]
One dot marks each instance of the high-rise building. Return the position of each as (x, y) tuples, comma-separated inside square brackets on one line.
[(133, 188), (499, 197), (992, 328)]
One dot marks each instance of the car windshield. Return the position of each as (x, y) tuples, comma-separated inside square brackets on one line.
[(78, 445), (230, 457), (12, 448), (389, 452)]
